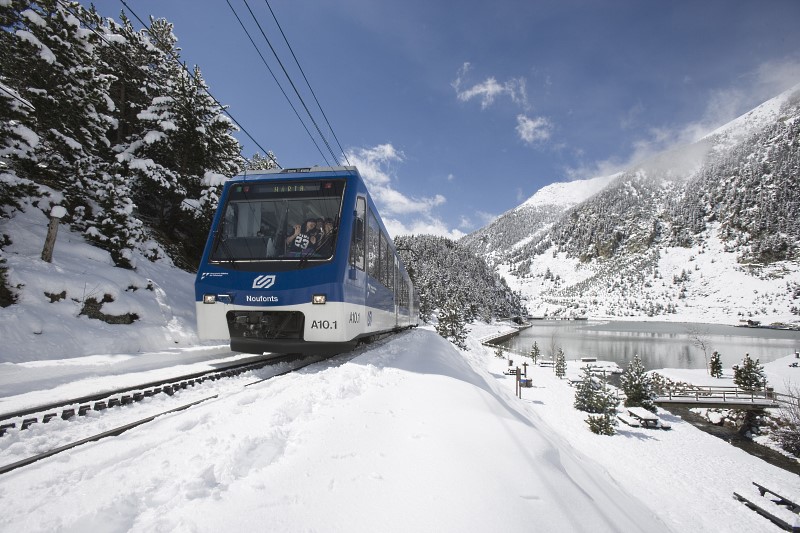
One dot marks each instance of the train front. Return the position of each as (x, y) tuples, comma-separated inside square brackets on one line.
[(272, 273)]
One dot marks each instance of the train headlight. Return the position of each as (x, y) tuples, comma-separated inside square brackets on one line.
[(319, 299), (209, 298)]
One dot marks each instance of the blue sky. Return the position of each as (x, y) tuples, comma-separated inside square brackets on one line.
[(457, 111)]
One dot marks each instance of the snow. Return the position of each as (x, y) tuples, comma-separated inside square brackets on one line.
[(568, 193), (214, 179), (33, 17), (754, 120), (58, 211), (719, 288), (44, 52), (154, 136), (410, 434)]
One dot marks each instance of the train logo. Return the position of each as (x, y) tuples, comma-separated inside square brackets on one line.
[(264, 282)]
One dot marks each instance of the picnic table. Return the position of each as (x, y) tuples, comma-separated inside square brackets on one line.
[(644, 417)]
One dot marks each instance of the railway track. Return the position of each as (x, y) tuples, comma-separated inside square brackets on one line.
[(97, 406)]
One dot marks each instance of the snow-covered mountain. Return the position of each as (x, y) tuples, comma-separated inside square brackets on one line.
[(534, 216), (708, 231)]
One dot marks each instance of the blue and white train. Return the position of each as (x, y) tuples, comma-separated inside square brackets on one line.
[(299, 261)]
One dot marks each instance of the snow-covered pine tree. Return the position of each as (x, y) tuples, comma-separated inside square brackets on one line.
[(716, 365), (604, 422), (210, 155), (585, 392), (561, 364), (17, 143), (452, 326), (638, 386), (260, 162), (115, 228), (151, 152), (749, 375), (535, 352), (50, 60), (448, 274)]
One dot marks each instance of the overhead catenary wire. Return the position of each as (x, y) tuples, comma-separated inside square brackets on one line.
[(183, 66), (288, 100), (144, 71), (13, 94), (286, 40), (286, 73)]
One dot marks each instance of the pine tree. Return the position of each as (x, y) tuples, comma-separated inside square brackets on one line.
[(535, 352), (51, 61), (259, 162), (638, 386), (604, 422), (716, 365), (451, 326), (585, 392), (749, 375), (561, 364), (17, 145)]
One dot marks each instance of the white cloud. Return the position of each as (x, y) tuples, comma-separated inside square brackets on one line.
[(429, 226), (490, 89), (723, 105), (533, 130), (402, 214), (372, 162)]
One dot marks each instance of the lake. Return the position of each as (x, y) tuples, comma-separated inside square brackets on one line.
[(659, 344)]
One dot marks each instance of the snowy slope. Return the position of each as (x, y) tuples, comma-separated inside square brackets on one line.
[(568, 193), (411, 435), (42, 327)]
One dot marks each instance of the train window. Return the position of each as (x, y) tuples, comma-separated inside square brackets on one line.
[(387, 265), (357, 245), (373, 247), (382, 258), (266, 221)]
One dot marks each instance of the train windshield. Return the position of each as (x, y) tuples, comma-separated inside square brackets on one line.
[(279, 220)]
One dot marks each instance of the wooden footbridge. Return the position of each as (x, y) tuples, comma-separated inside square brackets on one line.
[(720, 397)]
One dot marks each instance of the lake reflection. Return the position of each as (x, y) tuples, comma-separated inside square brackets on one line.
[(659, 344)]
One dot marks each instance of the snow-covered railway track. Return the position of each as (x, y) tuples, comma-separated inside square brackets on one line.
[(67, 408), (96, 417)]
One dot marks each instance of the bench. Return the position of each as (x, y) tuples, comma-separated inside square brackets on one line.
[(781, 500), (629, 420), (774, 511), (647, 419)]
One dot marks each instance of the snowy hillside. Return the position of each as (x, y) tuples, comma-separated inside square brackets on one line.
[(707, 232), (80, 304), (514, 227)]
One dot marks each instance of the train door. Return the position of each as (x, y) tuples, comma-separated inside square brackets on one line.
[(396, 284), (356, 281)]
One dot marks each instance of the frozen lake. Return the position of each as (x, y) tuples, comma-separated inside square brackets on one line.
[(659, 344)]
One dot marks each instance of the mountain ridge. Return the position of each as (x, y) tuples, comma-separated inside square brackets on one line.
[(669, 236)]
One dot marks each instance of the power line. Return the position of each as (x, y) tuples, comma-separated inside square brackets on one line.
[(274, 53), (306, 80), (263, 60), (13, 94), (183, 66)]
